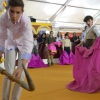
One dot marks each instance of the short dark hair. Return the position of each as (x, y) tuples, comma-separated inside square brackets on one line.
[(51, 32), (16, 3), (66, 34), (44, 34), (88, 18), (35, 36)]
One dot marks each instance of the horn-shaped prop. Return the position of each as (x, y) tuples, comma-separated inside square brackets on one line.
[(28, 86)]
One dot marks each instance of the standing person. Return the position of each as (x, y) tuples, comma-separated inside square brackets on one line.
[(47, 35), (48, 41), (75, 41), (66, 44), (91, 34), (42, 47), (67, 57), (86, 70), (59, 37), (16, 31), (35, 48), (43, 37)]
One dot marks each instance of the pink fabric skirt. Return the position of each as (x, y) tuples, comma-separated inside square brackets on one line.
[(36, 62), (66, 59)]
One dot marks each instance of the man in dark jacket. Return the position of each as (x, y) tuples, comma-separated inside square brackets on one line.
[(48, 41)]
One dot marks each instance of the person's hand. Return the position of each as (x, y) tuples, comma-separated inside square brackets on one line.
[(76, 40), (78, 45), (1, 54), (53, 45), (2, 60), (37, 50), (46, 45), (17, 73)]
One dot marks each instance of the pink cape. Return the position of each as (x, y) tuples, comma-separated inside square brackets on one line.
[(52, 47), (36, 62), (66, 59), (86, 70)]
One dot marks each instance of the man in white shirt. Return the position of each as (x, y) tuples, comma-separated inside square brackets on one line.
[(15, 37), (91, 34)]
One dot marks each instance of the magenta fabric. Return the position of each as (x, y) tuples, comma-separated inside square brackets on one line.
[(66, 59), (36, 62), (71, 58), (52, 47), (86, 70)]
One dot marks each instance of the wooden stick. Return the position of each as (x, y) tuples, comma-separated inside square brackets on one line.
[(30, 86)]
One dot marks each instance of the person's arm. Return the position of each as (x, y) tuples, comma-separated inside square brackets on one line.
[(46, 41), (82, 40), (81, 43), (3, 34), (82, 36), (27, 41), (96, 31), (37, 46), (70, 44), (63, 44), (27, 47)]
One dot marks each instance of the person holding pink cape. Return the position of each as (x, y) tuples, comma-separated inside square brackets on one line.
[(48, 41), (86, 69)]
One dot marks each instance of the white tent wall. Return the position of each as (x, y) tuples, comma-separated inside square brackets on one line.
[(67, 15), (63, 13)]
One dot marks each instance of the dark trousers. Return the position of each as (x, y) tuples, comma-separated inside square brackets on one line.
[(67, 49), (34, 51), (84, 45)]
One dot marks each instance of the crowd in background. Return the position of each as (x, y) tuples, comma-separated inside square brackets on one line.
[(40, 42)]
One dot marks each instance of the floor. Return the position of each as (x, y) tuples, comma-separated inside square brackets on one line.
[(50, 85)]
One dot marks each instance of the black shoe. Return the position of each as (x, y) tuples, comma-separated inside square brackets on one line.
[(52, 63), (48, 64)]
